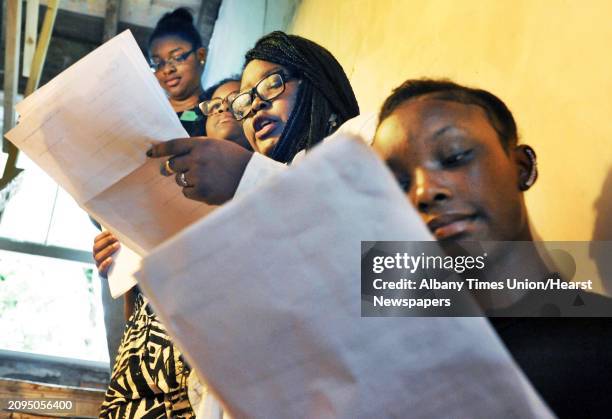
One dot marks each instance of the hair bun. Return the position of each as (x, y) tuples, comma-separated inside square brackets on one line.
[(179, 23), (182, 15)]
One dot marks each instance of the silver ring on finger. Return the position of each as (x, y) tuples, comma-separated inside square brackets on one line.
[(182, 180)]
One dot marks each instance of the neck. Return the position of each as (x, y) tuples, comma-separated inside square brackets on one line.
[(188, 102)]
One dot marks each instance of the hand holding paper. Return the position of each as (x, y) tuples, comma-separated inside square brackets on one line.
[(200, 158), (115, 262)]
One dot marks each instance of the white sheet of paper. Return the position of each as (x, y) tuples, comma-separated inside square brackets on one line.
[(89, 129), (121, 275), (143, 209), (93, 126), (264, 298)]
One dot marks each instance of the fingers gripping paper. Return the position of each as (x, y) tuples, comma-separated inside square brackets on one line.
[(264, 298)]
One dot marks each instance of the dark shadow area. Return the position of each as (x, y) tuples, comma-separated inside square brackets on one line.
[(602, 231)]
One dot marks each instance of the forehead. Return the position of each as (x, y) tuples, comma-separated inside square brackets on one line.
[(226, 88), (255, 70), (429, 121), (168, 45)]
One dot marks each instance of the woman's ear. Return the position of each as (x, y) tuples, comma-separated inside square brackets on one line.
[(527, 162), (201, 55)]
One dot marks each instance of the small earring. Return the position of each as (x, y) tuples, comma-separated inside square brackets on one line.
[(332, 122), (534, 169), (201, 61)]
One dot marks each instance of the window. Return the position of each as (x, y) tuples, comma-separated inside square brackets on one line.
[(49, 305)]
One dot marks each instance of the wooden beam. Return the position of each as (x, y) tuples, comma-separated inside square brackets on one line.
[(31, 34), (11, 62), (43, 46), (9, 181), (11, 171), (111, 19)]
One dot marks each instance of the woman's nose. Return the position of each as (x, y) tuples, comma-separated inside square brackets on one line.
[(224, 107), (259, 103), (429, 190), (168, 68)]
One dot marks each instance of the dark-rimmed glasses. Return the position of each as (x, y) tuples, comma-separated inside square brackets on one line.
[(209, 107), (173, 61), (268, 88)]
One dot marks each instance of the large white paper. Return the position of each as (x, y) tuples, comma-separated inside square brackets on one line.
[(89, 129), (91, 125), (122, 273), (263, 297)]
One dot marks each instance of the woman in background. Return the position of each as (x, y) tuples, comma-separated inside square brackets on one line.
[(177, 59), (219, 121)]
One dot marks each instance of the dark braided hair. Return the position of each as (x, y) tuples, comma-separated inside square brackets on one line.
[(497, 112), (177, 23), (325, 90)]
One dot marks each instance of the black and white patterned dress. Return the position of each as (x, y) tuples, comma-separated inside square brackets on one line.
[(149, 379)]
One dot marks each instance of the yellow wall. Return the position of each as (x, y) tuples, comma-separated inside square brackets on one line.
[(550, 61)]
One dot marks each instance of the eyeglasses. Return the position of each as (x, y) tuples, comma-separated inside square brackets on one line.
[(173, 61), (268, 88), (209, 107)]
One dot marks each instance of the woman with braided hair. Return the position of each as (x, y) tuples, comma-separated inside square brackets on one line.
[(292, 95), (323, 97)]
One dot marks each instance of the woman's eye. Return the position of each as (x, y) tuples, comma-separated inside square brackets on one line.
[(274, 84), (457, 159)]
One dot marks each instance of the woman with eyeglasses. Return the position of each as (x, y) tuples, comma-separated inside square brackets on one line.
[(177, 58), (219, 121), (293, 94)]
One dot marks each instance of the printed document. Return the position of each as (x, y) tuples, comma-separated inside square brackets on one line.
[(264, 299)]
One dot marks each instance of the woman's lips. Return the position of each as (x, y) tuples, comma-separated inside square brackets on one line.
[(266, 129), (450, 225), (173, 82), (225, 120)]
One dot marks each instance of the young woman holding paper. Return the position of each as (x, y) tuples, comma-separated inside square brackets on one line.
[(293, 94), (454, 151)]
